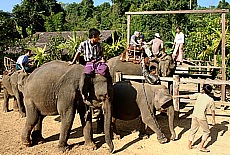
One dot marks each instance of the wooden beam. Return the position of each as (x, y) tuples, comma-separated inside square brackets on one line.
[(223, 90), (176, 12)]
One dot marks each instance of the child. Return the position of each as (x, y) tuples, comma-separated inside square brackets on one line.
[(22, 61), (91, 48), (202, 104)]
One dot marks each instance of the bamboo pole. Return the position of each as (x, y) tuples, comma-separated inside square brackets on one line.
[(223, 91)]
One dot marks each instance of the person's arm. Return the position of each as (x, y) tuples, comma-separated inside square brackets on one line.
[(133, 40), (76, 57), (163, 51), (180, 96)]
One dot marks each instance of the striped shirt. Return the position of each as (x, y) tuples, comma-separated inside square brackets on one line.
[(91, 52)]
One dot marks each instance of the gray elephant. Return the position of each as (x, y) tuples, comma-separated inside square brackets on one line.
[(129, 68), (57, 88), (132, 99), (12, 86)]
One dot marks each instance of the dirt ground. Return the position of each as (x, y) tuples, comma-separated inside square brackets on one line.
[(11, 126)]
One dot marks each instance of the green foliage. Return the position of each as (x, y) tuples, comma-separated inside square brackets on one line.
[(71, 44), (115, 49), (40, 56)]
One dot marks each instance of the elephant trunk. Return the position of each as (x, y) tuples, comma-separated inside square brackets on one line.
[(171, 122), (107, 108)]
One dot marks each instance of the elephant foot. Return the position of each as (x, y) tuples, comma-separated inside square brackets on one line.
[(116, 136), (143, 136), (163, 140), (90, 146), (63, 148), (22, 114), (27, 142), (16, 109), (6, 110), (37, 138)]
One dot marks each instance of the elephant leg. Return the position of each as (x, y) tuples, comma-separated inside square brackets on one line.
[(37, 132), (114, 129), (20, 106), (170, 112), (31, 120), (151, 121), (6, 101), (88, 131), (142, 130), (67, 117)]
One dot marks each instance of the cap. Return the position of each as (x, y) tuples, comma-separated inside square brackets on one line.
[(157, 35)]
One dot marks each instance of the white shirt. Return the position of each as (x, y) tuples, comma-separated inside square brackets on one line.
[(179, 39), (202, 104)]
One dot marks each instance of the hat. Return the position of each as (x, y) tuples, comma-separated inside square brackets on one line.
[(141, 36), (157, 35)]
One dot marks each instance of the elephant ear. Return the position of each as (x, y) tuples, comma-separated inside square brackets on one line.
[(85, 84), (162, 96)]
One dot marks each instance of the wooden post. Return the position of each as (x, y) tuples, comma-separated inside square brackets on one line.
[(176, 82), (215, 62), (128, 30), (200, 67), (118, 76), (223, 91), (208, 68)]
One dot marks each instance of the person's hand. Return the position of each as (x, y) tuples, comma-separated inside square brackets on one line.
[(70, 62), (213, 122), (173, 46)]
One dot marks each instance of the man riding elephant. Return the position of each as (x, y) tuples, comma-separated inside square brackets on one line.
[(57, 88), (159, 58)]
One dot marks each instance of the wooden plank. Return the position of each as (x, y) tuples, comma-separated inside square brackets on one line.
[(205, 67), (217, 103), (176, 12), (139, 77), (204, 81)]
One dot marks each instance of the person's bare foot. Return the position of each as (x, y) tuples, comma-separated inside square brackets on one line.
[(204, 149)]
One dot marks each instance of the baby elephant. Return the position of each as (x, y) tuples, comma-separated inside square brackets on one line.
[(132, 99)]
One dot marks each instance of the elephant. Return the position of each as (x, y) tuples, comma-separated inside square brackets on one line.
[(56, 88), (12, 86), (134, 99), (130, 68)]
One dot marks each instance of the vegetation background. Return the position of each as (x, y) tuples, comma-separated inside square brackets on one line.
[(202, 31)]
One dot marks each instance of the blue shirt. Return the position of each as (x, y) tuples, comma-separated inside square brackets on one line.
[(23, 59)]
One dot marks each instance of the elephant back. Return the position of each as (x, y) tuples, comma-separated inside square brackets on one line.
[(129, 68)]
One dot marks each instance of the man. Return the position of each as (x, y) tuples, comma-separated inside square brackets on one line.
[(157, 46), (203, 103), (22, 61), (133, 41), (90, 48), (178, 53)]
